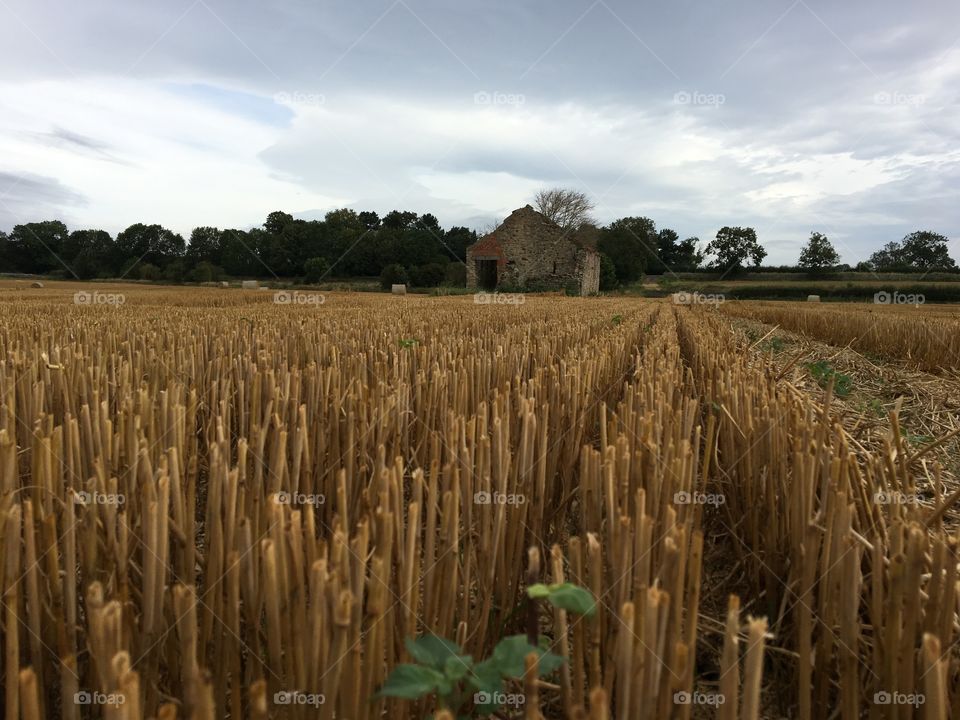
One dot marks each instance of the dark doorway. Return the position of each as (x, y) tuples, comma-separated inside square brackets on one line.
[(487, 274)]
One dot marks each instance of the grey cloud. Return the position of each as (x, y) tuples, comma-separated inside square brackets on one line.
[(75, 142), (25, 197), (797, 81)]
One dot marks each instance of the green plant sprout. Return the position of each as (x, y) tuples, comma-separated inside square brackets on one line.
[(823, 372), (477, 689)]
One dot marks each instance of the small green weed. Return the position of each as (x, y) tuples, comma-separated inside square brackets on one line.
[(823, 372)]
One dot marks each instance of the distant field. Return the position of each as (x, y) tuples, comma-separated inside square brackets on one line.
[(773, 276), (758, 287)]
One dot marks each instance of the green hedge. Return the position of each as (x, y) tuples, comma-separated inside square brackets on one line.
[(858, 292)]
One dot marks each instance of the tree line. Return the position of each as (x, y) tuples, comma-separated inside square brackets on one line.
[(345, 243), (633, 246), (404, 246)]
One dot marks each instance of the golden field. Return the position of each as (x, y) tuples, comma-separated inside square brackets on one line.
[(215, 504)]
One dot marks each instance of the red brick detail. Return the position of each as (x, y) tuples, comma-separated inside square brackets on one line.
[(487, 247)]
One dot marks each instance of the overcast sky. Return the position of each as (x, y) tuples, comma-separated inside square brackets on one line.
[(840, 117)]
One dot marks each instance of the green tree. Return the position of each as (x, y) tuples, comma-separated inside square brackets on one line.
[(175, 271), (89, 253), (315, 269), (6, 259), (428, 275), (677, 255), (206, 244), (278, 252), (37, 247), (277, 221), (145, 271), (344, 218), (206, 272), (393, 275), (889, 257), (457, 239), (428, 221), (667, 241), (687, 255), (343, 234), (455, 274), (733, 246), (399, 220), (369, 219), (152, 244), (608, 273), (238, 254), (927, 250), (818, 254), (631, 245), (921, 250)]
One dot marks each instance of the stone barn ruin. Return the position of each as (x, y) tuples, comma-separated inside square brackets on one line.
[(528, 251)]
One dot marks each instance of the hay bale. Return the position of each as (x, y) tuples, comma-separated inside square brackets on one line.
[(224, 283), (36, 284), (813, 298), (399, 289), (249, 284)]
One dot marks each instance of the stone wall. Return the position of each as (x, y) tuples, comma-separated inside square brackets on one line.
[(533, 253), (589, 273), (486, 248)]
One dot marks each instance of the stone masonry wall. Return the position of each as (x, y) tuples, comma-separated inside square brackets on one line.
[(589, 268), (533, 253)]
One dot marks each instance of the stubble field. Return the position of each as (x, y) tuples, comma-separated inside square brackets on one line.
[(217, 505)]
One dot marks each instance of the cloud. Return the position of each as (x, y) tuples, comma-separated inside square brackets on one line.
[(25, 197), (75, 142), (841, 119), (186, 161)]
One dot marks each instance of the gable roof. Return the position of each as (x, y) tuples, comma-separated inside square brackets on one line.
[(584, 237)]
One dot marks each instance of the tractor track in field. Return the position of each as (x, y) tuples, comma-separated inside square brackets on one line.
[(725, 573)]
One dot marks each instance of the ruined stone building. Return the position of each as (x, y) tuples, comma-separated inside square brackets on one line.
[(528, 251)]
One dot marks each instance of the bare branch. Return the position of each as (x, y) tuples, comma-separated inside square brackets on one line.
[(570, 209)]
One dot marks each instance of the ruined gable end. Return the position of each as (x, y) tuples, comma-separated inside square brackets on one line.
[(528, 251)]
